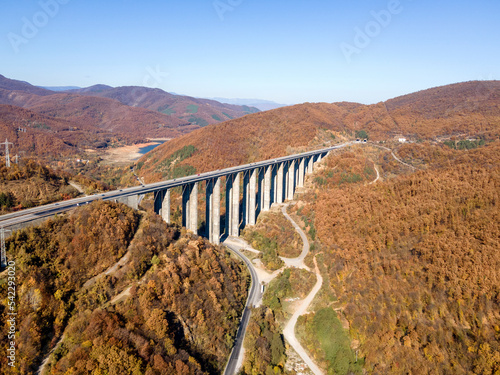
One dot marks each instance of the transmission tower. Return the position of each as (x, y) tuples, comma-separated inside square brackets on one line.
[(7, 157), (2, 239)]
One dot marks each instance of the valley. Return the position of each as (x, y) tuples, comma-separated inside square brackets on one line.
[(392, 243)]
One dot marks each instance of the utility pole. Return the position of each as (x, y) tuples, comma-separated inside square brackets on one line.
[(7, 157), (2, 239)]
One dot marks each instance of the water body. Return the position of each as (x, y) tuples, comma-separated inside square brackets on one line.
[(145, 150)]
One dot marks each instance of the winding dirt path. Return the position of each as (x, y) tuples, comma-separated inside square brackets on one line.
[(299, 261), (378, 174), (394, 156), (289, 331)]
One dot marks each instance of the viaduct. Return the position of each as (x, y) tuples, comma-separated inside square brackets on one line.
[(263, 183)]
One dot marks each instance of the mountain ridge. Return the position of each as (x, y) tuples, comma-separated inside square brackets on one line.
[(295, 128)]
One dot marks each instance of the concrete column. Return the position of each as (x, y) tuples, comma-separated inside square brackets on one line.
[(213, 211), (279, 183), (209, 190), (235, 216), (246, 197), (216, 213), (229, 202), (260, 194), (302, 166), (274, 183), (267, 189), (252, 197), (158, 200), (296, 171), (186, 191), (291, 180), (165, 206), (310, 164), (320, 157), (193, 209)]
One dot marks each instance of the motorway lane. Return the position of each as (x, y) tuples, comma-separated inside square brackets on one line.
[(251, 300), (50, 209)]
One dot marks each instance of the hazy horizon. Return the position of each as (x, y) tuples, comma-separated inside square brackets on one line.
[(286, 52)]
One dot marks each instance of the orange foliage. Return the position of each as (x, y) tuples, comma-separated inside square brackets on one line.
[(414, 261)]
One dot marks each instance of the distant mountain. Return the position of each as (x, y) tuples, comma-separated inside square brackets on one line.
[(127, 113), (15, 85), (91, 89), (60, 88), (186, 109), (459, 110), (100, 113), (263, 105)]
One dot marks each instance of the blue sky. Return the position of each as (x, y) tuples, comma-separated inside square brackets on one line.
[(288, 51)]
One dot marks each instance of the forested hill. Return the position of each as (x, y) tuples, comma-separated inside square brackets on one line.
[(412, 260), (464, 110), (127, 114), (178, 311)]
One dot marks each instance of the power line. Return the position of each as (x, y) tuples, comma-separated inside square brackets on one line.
[(7, 157)]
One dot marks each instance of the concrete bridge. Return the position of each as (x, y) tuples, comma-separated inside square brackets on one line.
[(262, 183)]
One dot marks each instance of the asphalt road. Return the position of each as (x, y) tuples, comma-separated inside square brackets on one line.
[(31, 214), (252, 297)]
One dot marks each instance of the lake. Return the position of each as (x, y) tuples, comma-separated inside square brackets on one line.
[(145, 150)]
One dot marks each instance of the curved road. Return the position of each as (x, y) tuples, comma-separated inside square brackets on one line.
[(252, 298)]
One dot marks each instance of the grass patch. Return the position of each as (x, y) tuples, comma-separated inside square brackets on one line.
[(216, 118), (167, 111), (168, 167), (268, 248), (465, 144), (192, 108), (228, 116), (198, 121), (325, 337), (183, 170)]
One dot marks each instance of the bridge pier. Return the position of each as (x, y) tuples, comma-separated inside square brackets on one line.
[(253, 198), (212, 212), (260, 191), (291, 180), (267, 189), (190, 207), (302, 165), (318, 158), (310, 164), (280, 183), (249, 197), (233, 205), (162, 204), (274, 183)]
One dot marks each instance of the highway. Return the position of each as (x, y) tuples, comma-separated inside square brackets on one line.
[(31, 214), (253, 295)]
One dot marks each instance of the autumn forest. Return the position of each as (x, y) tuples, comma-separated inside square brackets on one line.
[(404, 229)]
